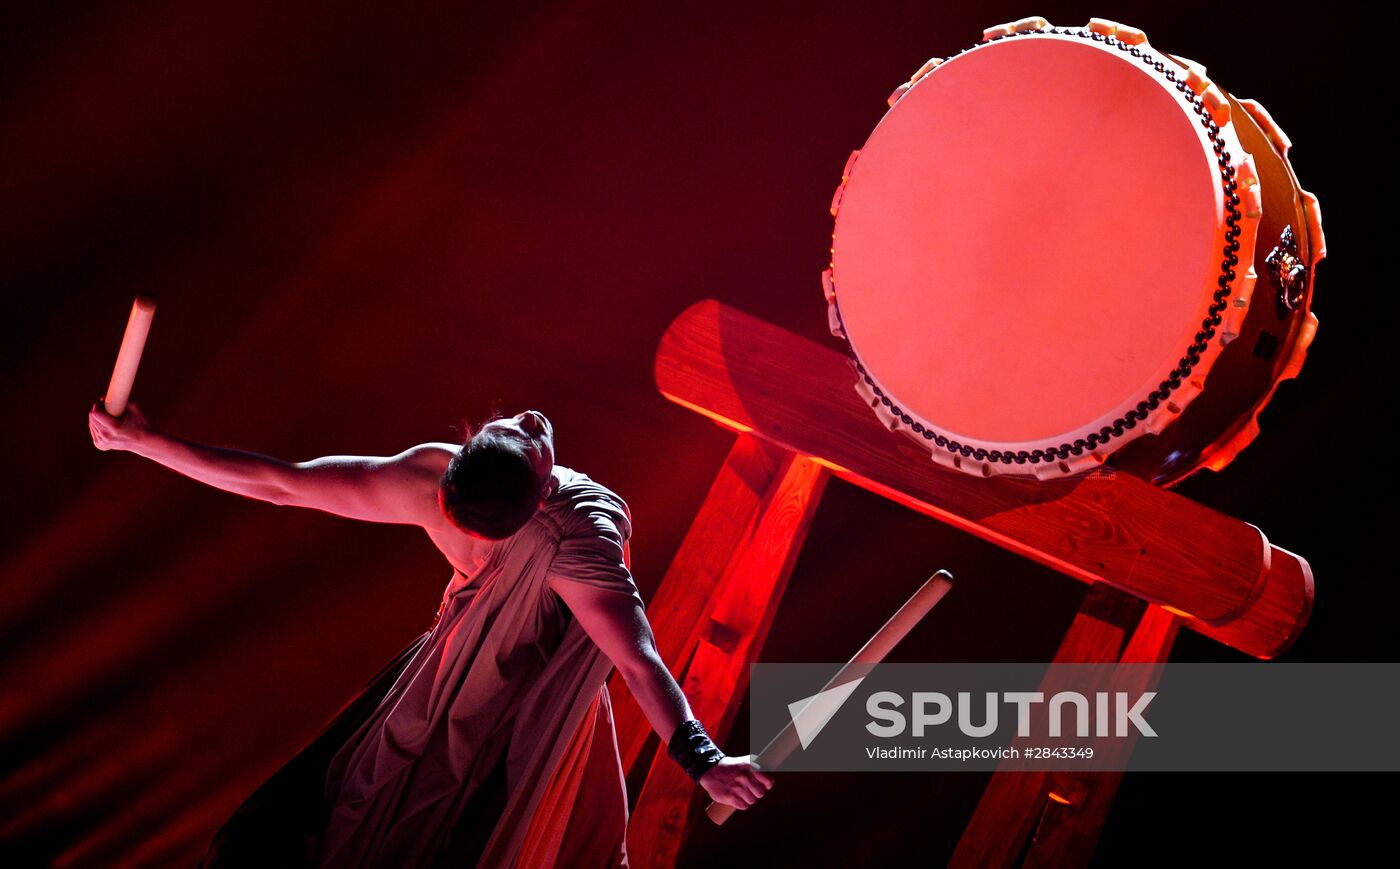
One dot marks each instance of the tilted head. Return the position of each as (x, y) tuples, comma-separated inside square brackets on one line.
[(500, 476)]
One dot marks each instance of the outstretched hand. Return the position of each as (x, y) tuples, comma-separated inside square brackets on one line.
[(116, 432), (736, 781)]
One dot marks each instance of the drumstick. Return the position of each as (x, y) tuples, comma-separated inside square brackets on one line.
[(129, 356), (873, 652)]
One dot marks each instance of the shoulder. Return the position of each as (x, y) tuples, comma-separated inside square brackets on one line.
[(586, 507), (428, 457), (594, 524), (417, 473)]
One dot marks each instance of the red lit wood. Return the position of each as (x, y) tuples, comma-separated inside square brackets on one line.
[(680, 607), (1155, 562), (1276, 616), (1102, 526), (780, 747), (1063, 811), (724, 617)]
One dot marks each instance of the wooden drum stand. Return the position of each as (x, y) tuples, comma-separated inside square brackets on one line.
[(712, 611)]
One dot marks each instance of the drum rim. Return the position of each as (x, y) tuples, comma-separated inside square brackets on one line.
[(1130, 423)]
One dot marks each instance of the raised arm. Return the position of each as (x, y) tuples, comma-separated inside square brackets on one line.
[(396, 489)]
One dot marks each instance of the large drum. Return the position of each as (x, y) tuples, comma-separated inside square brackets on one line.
[(1062, 248)]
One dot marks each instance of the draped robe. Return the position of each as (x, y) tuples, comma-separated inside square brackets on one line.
[(506, 682)]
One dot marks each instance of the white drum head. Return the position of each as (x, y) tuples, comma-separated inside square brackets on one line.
[(1029, 242)]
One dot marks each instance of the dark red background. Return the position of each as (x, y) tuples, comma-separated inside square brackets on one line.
[(365, 225)]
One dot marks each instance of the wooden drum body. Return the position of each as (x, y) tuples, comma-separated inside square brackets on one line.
[(1062, 248)]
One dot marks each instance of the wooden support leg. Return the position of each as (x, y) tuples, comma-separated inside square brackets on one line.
[(1062, 812), (713, 613), (680, 607)]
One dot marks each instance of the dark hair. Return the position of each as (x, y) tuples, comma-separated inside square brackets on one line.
[(490, 487)]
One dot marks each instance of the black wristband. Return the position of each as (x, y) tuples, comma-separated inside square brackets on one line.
[(691, 747)]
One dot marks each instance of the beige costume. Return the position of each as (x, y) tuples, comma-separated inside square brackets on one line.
[(506, 674)]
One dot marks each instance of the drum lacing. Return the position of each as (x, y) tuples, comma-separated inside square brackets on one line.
[(1188, 361)]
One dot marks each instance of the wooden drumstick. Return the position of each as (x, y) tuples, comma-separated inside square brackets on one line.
[(873, 652), (129, 356)]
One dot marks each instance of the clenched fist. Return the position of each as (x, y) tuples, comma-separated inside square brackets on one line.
[(736, 781), (116, 432)]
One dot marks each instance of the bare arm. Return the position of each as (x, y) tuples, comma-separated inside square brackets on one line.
[(396, 489), (619, 626)]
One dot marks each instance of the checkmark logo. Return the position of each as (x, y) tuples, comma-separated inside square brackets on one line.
[(810, 714)]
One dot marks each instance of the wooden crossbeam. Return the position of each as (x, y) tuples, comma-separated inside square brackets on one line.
[(1218, 573)]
